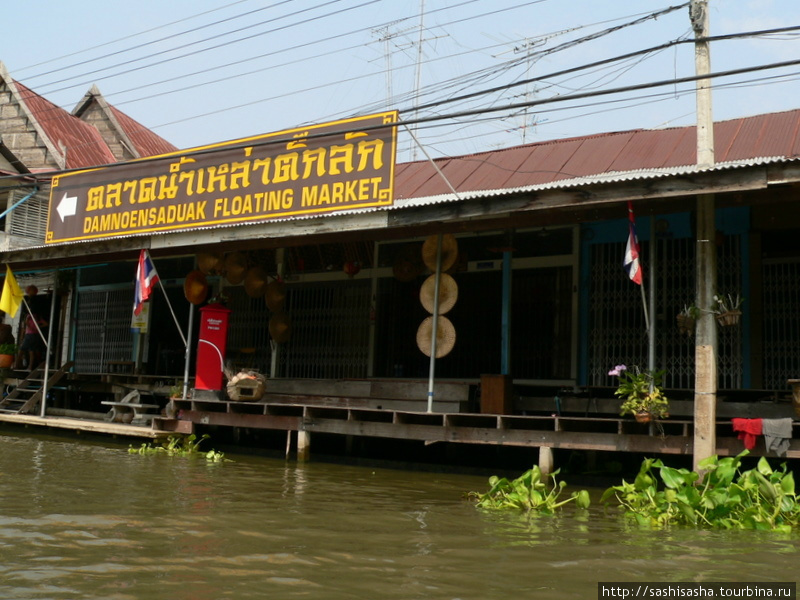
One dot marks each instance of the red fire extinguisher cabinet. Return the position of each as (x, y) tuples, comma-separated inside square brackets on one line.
[(211, 347)]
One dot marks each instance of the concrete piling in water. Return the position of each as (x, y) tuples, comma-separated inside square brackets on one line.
[(303, 445), (546, 460)]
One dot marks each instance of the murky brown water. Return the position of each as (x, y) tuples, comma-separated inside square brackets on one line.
[(80, 520)]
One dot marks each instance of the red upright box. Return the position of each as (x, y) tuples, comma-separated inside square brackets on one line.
[(211, 346)]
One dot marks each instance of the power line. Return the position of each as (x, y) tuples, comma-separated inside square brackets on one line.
[(195, 52), (544, 77), (433, 119), (476, 75), (127, 37)]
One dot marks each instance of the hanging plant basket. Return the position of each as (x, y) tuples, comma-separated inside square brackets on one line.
[(795, 383), (685, 324), (643, 417), (729, 318)]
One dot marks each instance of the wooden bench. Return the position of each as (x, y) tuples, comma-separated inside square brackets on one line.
[(120, 366), (385, 394), (130, 409)]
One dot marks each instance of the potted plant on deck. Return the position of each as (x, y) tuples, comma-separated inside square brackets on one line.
[(641, 394), (8, 354)]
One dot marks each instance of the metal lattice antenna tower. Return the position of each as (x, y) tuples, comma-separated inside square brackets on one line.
[(386, 36)]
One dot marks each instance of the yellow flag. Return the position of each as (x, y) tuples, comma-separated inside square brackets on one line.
[(12, 295)]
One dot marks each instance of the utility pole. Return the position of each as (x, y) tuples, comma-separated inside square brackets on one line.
[(705, 382), (418, 76)]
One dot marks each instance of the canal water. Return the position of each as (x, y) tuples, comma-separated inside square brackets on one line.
[(89, 520)]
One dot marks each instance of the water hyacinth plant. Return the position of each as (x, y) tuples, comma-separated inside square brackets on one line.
[(725, 498), (176, 445), (528, 492)]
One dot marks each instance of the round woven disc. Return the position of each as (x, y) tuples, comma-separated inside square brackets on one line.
[(448, 293), (445, 337), (449, 251)]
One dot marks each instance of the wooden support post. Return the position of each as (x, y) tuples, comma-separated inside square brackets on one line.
[(303, 445), (545, 460)]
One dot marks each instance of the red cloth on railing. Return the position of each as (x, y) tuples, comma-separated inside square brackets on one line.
[(748, 429)]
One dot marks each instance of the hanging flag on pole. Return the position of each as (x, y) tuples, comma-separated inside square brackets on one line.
[(12, 295), (146, 279), (631, 262)]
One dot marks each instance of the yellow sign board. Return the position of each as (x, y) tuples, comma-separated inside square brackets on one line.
[(315, 170)]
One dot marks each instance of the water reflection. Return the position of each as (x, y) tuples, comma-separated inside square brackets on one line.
[(84, 520)]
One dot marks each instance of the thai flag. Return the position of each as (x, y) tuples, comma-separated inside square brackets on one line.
[(631, 262), (146, 279)]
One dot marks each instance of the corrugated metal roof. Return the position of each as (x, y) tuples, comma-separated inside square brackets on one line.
[(83, 143), (605, 157), (147, 143)]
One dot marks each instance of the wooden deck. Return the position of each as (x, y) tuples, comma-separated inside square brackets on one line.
[(84, 425), (601, 433), (396, 410)]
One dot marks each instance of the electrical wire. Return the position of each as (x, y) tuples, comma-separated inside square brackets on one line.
[(202, 50), (127, 37), (449, 116), (152, 42), (500, 89), (472, 82)]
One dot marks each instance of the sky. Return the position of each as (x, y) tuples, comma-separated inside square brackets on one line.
[(199, 72)]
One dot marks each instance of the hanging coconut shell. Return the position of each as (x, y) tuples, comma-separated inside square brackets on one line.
[(449, 251), (408, 265), (445, 336), (275, 295), (448, 293), (195, 287), (209, 261), (405, 270), (280, 327), (235, 267), (255, 282)]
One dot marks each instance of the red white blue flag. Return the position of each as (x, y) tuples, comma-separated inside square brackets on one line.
[(146, 280), (631, 262)]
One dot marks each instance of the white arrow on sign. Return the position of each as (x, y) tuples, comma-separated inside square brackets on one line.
[(68, 206)]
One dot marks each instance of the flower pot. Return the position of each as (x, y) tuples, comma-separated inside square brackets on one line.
[(6, 360), (795, 383), (685, 324), (643, 417), (729, 318)]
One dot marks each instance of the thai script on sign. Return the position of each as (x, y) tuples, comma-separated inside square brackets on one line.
[(316, 170)]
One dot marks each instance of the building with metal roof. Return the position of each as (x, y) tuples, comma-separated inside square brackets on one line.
[(540, 231)]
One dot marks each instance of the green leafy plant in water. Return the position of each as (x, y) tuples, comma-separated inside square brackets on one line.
[(528, 492), (726, 497), (187, 446)]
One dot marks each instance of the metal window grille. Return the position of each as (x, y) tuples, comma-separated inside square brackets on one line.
[(103, 329), (248, 331), (330, 330), (781, 285), (617, 331)]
